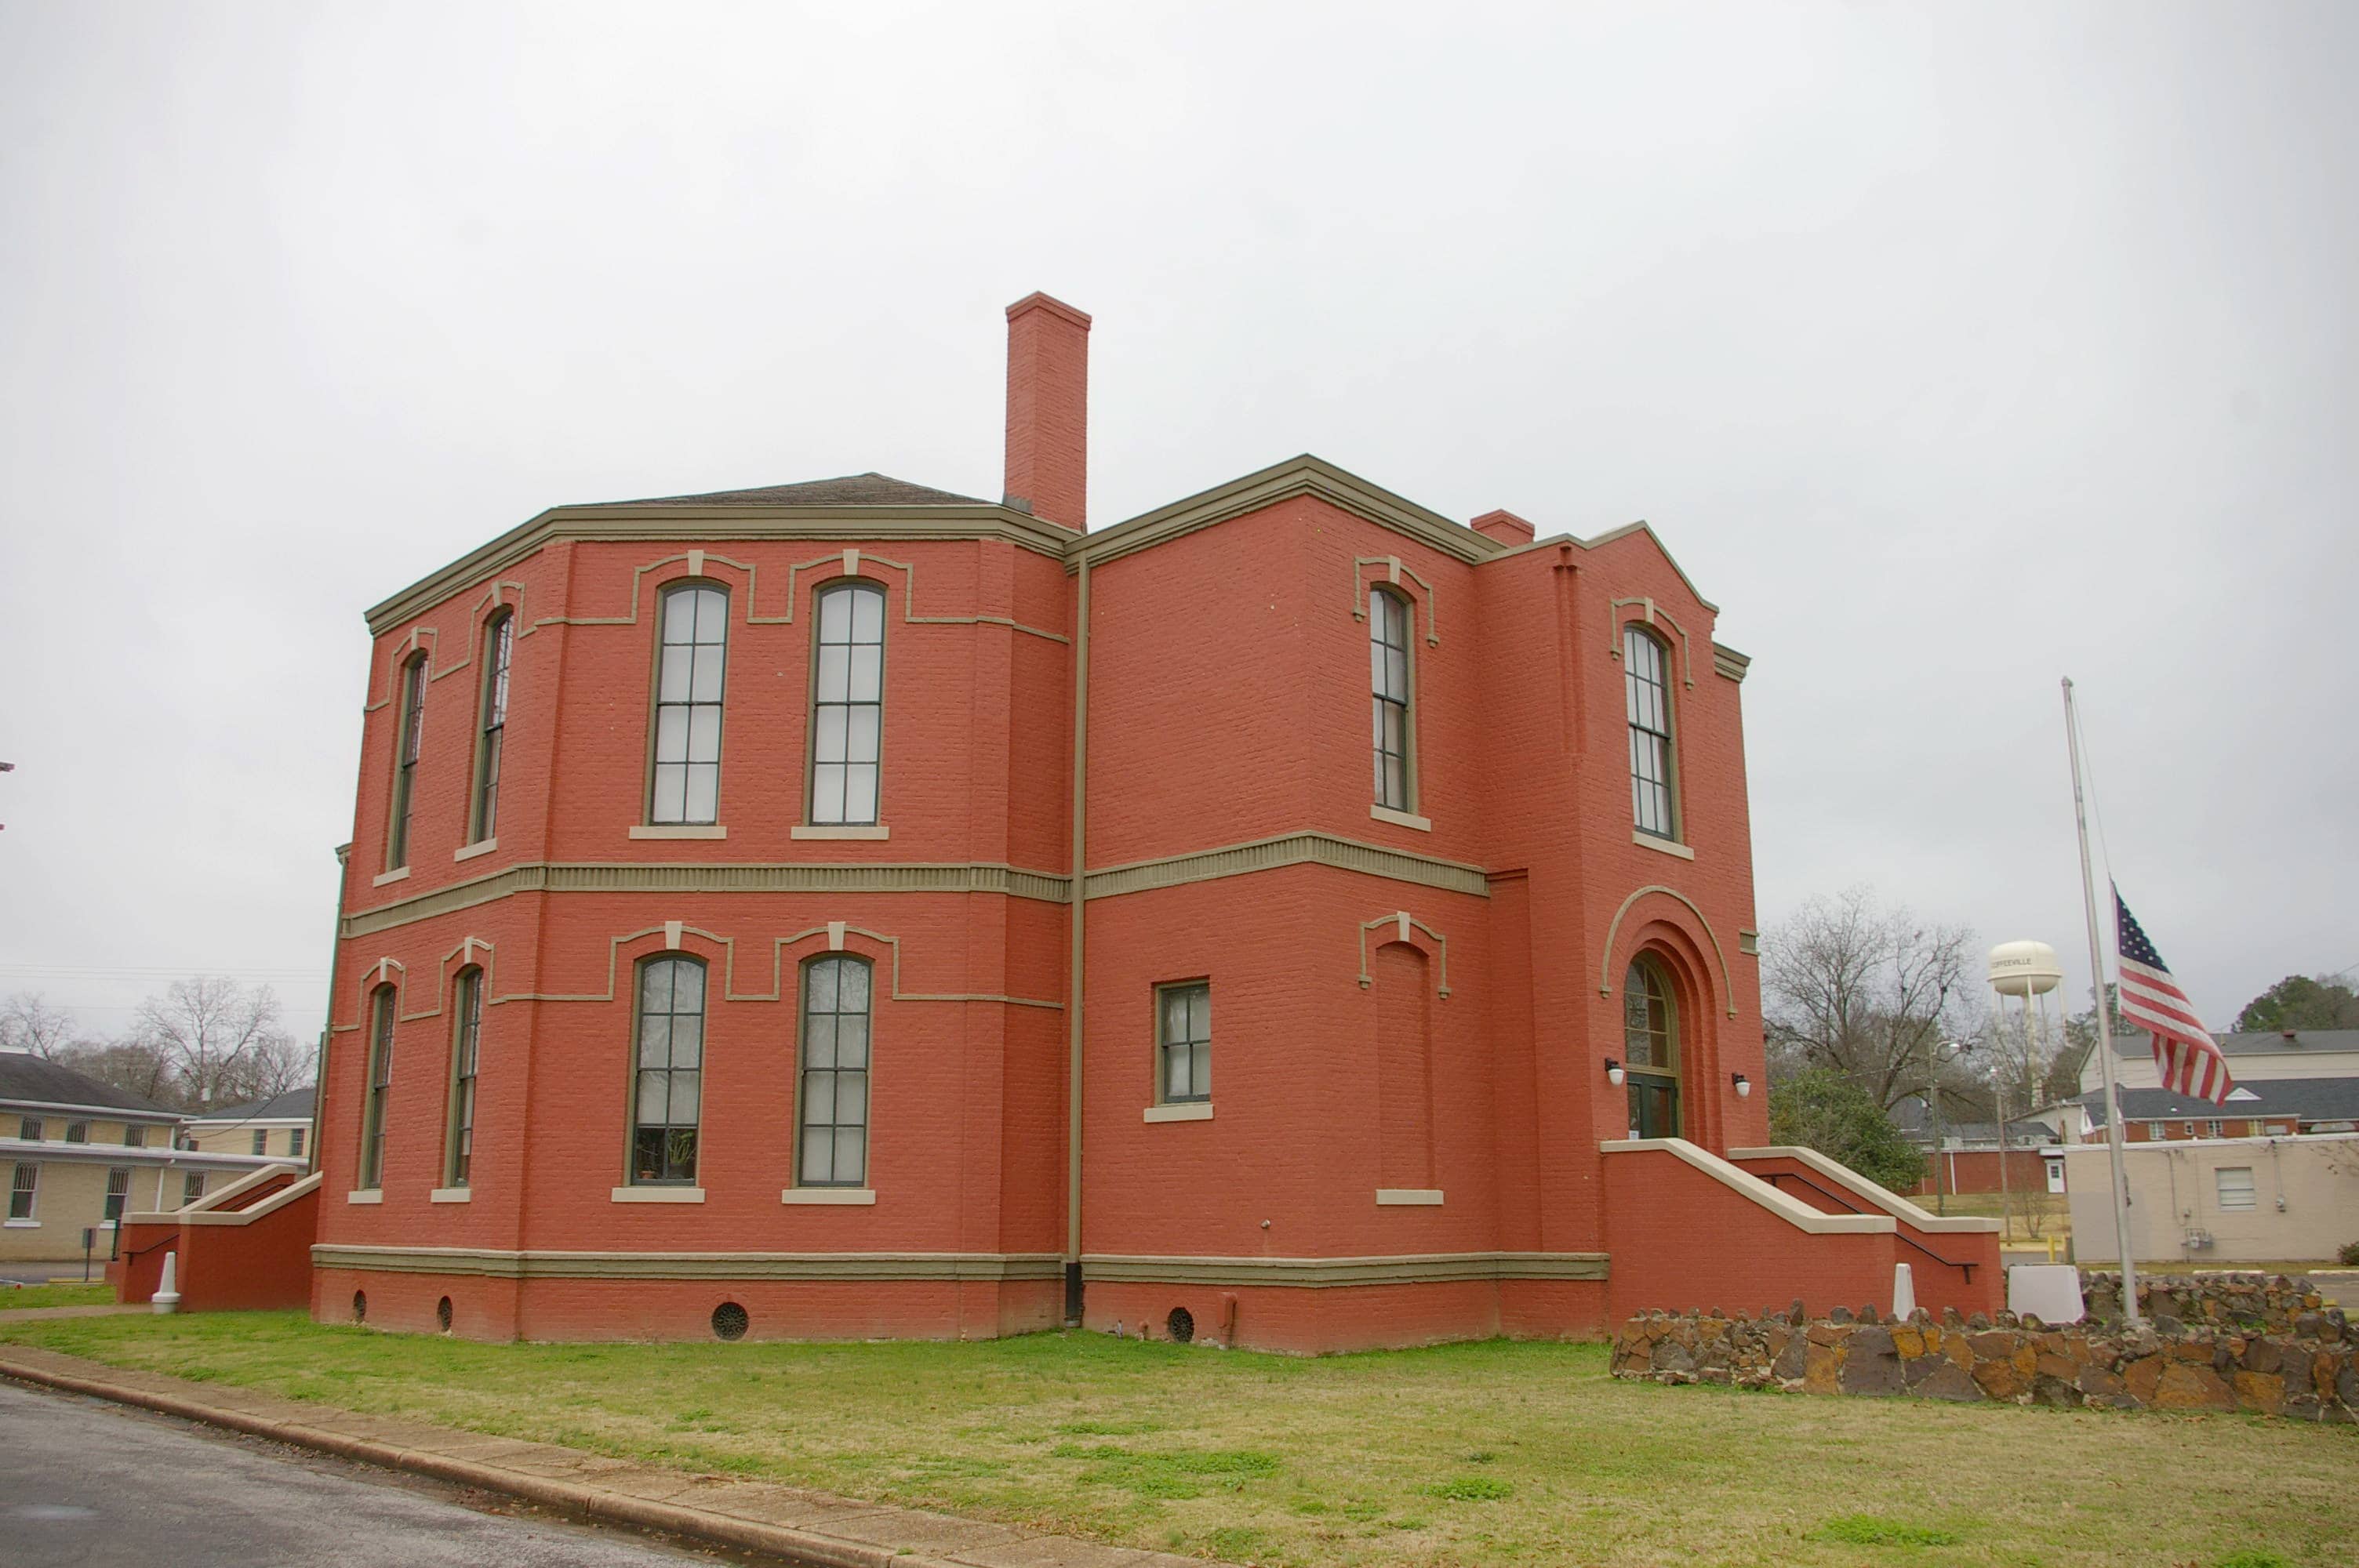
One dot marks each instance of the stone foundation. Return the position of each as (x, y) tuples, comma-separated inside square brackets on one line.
[(2310, 1375), (2247, 1303)]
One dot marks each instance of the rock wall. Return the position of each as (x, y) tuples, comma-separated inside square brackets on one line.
[(2248, 1303), (2310, 1375)]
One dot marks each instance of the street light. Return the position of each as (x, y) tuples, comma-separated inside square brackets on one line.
[(1955, 1049)]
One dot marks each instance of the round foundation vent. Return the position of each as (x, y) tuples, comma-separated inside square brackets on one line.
[(1182, 1324), (360, 1307), (442, 1313), (729, 1321)]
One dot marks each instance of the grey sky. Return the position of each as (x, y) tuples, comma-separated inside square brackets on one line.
[(1951, 348)]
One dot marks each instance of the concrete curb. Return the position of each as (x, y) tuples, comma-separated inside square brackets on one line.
[(795, 1544)]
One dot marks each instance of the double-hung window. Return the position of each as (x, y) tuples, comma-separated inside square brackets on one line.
[(1388, 681), (459, 1139), (668, 1087), (262, 1141), (192, 1186), (28, 1127), (77, 1131), (499, 639), (380, 1080), (118, 1189), (134, 1136), (835, 1090), (686, 788), (1184, 1038), (407, 741), (23, 1189), (295, 1141), (848, 705), (1646, 681)]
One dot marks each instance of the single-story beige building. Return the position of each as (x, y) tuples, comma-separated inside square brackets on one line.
[(2227, 1200), (279, 1126)]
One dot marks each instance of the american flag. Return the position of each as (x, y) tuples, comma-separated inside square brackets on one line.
[(2183, 1051)]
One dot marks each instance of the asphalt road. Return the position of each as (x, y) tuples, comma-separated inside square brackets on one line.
[(89, 1485)]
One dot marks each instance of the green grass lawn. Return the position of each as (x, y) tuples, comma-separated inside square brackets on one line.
[(56, 1296), (1469, 1453)]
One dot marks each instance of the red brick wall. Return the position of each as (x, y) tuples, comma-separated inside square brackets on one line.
[(1681, 1240)]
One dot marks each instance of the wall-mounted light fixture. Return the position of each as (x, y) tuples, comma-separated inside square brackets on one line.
[(1614, 1074), (1744, 1085)]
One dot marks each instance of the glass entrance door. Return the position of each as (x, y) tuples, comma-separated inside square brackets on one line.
[(1654, 1105), (1650, 1046)]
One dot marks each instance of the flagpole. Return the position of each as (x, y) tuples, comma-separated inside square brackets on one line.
[(2104, 1024)]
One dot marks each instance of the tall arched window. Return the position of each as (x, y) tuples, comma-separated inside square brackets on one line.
[(498, 641), (1388, 678), (848, 705), (667, 1092), (1650, 1049), (412, 727), (380, 1080), (686, 786), (833, 1096), (1645, 671), (459, 1135)]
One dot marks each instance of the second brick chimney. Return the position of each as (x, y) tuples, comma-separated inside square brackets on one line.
[(1505, 527), (1049, 409)]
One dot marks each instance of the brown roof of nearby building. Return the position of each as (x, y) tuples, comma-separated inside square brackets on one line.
[(869, 489), (37, 1080)]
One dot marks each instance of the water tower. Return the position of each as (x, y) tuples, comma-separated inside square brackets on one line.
[(2028, 971)]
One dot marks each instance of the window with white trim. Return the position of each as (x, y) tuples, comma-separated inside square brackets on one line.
[(667, 1085), (1183, 1033), (192, 1187), (833, 1093), (1646, 677), (848, 705), (134, 1136), (28, 1127), (408, 737), (262, 1141), (499, 641), (1390, 618), (77, 1131), (380, 1081), (2234, 1185), (118, 1190), (459, 1139), (24, 1189), (692, 661), (295, 1140)]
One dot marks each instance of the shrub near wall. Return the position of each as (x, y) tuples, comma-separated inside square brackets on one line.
[(2309, 1375)]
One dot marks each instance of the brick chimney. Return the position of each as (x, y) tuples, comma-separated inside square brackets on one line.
[(1049, 410), (1505, 527)]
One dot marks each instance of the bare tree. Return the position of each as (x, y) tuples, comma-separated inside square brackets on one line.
[(1868, 991), (29, 1023), (131, 1064), (276, 1065), (214, 1033)]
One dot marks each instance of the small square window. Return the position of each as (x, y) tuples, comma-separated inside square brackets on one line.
[(192, 1186), (1183, 1031), (135, 1136), (77, 1131), (28, 1127), (2235, 1187), (2211, 1129)]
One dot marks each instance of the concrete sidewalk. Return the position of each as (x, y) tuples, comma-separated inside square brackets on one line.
[(790, 1522)]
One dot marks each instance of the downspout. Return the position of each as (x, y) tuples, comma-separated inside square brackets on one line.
[(328, 1025), (1074, 951)]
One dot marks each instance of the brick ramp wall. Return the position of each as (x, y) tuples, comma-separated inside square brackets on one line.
[(259, 1261), (1948, 1267)]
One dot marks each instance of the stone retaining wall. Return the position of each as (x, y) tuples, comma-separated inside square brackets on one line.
[(2309, 1375), (2244, 1302)]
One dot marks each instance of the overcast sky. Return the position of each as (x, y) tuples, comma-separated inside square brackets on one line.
[(1951, 348)]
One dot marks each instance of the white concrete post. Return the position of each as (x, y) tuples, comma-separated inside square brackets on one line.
[(1904, 1291), (167, 1288)]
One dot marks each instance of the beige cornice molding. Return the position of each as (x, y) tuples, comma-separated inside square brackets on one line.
[(1325, 1273), (1728, 661), (498, 1263), (1305, 475), (1289, 849), (659, 523)]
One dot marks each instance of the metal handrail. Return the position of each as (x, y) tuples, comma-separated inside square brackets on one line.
[(1776, 1176)]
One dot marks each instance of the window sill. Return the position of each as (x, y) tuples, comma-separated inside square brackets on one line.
[(870, 831), (827, 1196), (1661, 845), (390, 878), (1408, 1197), (659, 1194), (481, 847), (677, 831), (1401, 818), (372, 1194), (23, 1224), (451, 1194), (1186, 1111)]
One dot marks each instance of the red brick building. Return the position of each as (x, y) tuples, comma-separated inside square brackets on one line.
[(851, 909)]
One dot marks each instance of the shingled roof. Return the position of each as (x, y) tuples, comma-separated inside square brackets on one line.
[(37, 1080), (847, 489)]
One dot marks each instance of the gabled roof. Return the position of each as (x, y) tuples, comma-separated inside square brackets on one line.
[(2303, 1099), (295, 1105), (40, 1081), (871, 488), (2255, 1042)]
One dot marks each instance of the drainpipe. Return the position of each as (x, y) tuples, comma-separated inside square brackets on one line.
[(328, 1025), (1075, 952)]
